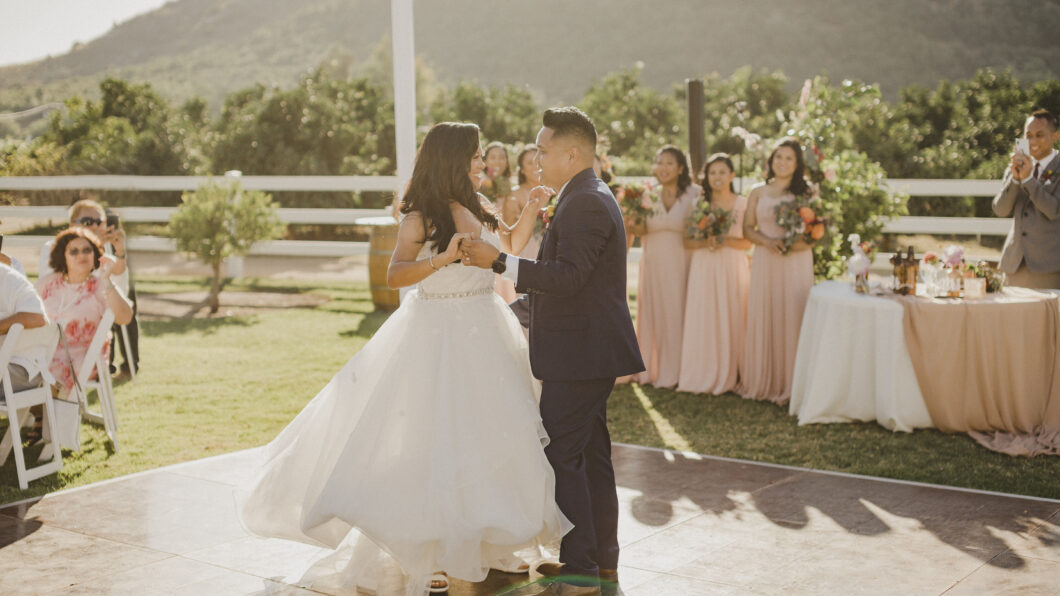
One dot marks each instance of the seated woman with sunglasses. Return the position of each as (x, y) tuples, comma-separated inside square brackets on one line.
[(77, 299), (89, 214)]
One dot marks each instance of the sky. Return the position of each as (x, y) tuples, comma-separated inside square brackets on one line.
[(32, 29)]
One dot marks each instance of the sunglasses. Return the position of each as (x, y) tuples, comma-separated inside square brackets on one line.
[(88, 221), (73, 252)]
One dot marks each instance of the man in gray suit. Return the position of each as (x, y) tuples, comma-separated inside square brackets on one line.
[(1030, 193)]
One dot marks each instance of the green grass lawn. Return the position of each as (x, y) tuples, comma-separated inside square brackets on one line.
[(211, 386)]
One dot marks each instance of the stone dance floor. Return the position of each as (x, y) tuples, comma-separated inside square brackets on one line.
[(690, 525)]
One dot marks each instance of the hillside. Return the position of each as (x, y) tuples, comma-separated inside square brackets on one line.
[(556, 47)]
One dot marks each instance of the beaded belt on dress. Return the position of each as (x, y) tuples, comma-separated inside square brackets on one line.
[(467, 294)]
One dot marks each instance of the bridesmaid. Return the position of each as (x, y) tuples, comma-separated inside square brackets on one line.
[(780, 283), (497, 185), (664, 269), (511, 208), (528, 176), (716, 301)]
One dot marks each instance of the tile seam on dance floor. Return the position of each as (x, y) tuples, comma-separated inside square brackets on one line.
[(688, 454), (977, 491), (107, 481)]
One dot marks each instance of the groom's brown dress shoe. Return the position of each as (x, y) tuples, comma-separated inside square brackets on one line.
[(563, 589), (549, 569)]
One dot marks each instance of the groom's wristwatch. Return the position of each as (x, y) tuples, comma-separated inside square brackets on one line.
[(500, 264)]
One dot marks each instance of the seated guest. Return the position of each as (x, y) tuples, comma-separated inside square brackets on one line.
[(10, 261), (20, 304), (13, 263), (77, 299), (88, 213), (1030, 193)]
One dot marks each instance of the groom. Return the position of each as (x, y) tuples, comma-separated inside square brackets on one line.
[(581, 339)]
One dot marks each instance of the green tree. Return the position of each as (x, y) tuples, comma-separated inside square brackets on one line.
[(507, 114), (129, 130), (323, 126), (635, 120), (32, 159), (220, 220)]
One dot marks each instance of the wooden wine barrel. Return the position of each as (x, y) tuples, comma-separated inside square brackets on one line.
[(381, 245)]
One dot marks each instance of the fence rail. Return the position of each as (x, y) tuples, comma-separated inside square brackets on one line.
[(341, 216)]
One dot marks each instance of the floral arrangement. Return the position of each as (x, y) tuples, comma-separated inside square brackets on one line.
[(931, 258), (799, 219), (636, 201), (707, 221), (953, 256)]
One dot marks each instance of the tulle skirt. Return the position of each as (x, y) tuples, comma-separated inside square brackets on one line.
[(428, 443)]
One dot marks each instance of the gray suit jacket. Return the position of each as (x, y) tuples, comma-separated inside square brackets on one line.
[(1035, 209)]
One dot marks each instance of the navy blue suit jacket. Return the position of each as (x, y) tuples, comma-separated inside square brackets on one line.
[(580, 327)]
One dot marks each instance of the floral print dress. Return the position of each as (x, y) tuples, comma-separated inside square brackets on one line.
[(78, 308)]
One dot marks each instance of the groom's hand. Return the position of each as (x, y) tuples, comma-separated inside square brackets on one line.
[(478, 253)]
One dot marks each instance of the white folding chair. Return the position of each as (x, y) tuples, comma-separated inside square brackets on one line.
[(83, 383), (16, 405)]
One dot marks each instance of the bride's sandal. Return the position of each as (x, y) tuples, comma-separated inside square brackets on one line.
[(439, 583)]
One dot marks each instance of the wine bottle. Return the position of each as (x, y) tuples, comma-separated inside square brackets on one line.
[(911, 268)]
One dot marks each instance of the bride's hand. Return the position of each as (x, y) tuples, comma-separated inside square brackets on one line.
[(452, 253), (541, 195)]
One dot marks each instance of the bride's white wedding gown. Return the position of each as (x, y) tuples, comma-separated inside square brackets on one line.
[(428, 442)]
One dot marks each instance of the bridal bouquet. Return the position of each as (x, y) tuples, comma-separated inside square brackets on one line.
[(636, 201), (799, 219), (707, 221)]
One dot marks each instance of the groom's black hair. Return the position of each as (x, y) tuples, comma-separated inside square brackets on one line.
[(1046, 115), (572, 122)]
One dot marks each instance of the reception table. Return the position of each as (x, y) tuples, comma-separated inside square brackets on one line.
[(990, 367)]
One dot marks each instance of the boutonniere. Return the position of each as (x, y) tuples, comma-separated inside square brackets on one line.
[(549, 211), (1048, 176)]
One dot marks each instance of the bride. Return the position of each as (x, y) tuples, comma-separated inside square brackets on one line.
[(428, 443)]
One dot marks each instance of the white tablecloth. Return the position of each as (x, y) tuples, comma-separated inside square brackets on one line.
[(852, 362)]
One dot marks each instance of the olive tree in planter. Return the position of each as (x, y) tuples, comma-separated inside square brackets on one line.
[(221, 220)]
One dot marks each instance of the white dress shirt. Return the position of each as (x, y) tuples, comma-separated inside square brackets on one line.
[(18, 295), (1042, 163)]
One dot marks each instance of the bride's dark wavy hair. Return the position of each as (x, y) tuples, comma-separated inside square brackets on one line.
[(441, 175)]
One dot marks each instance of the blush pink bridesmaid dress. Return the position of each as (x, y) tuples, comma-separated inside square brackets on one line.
[(661, 290), (716, 315), (780, 287)]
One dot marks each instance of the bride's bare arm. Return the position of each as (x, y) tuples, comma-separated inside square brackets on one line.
[(524, 228), (405, 269)]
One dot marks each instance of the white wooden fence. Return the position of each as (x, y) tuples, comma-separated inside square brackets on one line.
[(901, 225)]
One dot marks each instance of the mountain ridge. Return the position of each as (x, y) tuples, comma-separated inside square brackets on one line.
[(554, 48)]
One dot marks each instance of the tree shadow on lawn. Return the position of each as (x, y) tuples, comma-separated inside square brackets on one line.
[(369, 324), (158, 328), (968, 522)]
